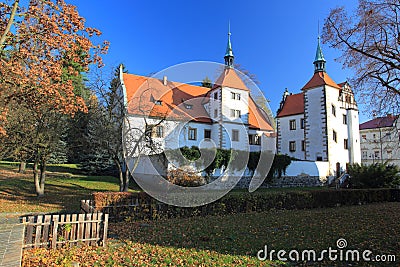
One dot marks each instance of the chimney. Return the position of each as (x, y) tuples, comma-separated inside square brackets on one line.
[(165, 81)]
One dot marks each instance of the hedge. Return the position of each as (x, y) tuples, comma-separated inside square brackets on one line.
[(141, 206)]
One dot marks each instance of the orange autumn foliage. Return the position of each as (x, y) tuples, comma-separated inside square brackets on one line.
[(48, 45)]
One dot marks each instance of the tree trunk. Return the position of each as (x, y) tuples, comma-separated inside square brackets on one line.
[(9, 24), (120, 175), (22, 167), (36, 178), (127, 177), (42, 176)]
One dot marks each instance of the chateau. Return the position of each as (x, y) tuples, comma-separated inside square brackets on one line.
[(319, 125), (321, 122), (176, 114)]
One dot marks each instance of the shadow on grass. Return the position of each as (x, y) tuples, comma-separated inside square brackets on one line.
[(17, 191), (373, 227)]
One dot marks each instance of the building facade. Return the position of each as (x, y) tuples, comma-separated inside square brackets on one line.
[(380, 140), (320, 123), (172, 115)]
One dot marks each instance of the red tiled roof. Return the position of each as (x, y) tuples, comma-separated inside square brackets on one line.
[(257, 117), (229, 78), (319, 79), (380, 122), (141, 93), (294, 104)]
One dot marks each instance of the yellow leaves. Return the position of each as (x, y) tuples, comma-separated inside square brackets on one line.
[(50, 34)]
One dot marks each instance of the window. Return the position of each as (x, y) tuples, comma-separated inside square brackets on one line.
[(159, 131), (216, 95), (207, 134), (235, 96), (346, 143), (333, 110), (251, 139), (154, 131), (257, 140), (302, 121), (235, 135), (188, 106), (334, 136), (344, 119), (376, 154), (235, 113), (292, 124), (192, 134), (254, 139), (364, 137), (303, 145), (292, 146), (389, 153), (215, 113), (364, 154)]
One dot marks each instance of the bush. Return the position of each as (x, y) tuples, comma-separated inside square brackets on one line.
[(120, 205), (185, 177), (376, 175)]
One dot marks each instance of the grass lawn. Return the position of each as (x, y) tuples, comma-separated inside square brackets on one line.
[(234, 240), (63, 190), (231, 240)]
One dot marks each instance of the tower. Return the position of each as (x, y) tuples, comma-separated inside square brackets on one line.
[(229, 53), (319, 62), (229, 100), (330, 122)]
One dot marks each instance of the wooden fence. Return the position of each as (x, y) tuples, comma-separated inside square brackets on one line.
[(55, 230)]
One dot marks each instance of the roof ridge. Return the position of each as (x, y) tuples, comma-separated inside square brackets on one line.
[(170, 81)]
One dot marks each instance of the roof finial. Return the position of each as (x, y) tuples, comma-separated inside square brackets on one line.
[(229, 53), (319, 61)]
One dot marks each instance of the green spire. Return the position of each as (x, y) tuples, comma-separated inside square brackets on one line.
[(319, 61), (229, 53)]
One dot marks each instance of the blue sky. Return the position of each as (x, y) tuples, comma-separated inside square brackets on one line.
[(275, 40)]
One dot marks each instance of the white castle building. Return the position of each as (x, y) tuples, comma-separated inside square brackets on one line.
[(320, 123), (176, 114)]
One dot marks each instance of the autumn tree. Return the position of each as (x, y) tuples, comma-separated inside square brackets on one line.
[(106, 124), (42, 53), (127, 138), (369, 39), (17, 144)]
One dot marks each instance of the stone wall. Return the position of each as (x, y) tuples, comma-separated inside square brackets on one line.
[(285, 181)]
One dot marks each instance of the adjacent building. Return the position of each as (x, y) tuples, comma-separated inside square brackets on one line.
[(380, 140), (320, 123)]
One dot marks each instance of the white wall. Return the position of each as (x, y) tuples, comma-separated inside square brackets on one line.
[(311, 168), (336, 151), (287, 135), (228, 103), (354, 136), (315, 124)]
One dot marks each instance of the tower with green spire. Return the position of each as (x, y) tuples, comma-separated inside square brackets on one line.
[(319, 62), (229, 53)]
